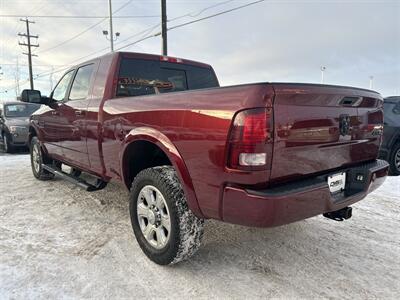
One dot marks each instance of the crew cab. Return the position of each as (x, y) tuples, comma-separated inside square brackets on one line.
[(262, 154)]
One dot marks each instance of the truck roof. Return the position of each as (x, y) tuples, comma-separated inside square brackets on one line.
[(150, 57), (392, 99)]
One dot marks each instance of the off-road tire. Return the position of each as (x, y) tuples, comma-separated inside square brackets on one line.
[(186, 229), (6, 144), (39, 173), (392, 161)]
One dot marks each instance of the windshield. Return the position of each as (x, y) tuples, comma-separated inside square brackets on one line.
[(143, 77), (19, 110)]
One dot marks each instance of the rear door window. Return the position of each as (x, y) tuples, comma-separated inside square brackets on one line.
[(144, 77), (81, 84)]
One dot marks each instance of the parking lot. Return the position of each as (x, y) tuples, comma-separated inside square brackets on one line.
[(61, 242)]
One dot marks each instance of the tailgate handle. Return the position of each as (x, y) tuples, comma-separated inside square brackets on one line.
[(350, 101)]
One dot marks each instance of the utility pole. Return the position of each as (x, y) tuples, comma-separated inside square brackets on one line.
[(51, 78), (371, 82), (29, 45), (164, 27), (322, 74), (111, 26), (17, 79), (1, 73)]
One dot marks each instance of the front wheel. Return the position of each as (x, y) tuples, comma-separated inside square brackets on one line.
[(395, 160), (38, 158), (6, 142), (165, 228)]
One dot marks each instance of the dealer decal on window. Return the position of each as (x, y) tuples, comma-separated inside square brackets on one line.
[(145, 82)]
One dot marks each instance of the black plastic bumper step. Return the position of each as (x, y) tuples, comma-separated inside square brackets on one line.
[(99, 185)]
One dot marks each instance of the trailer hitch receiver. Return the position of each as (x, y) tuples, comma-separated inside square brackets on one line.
[(339, 215)]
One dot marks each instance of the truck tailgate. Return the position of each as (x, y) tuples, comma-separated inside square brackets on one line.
[(319, 128)]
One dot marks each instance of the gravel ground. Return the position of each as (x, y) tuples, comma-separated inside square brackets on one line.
[(57, 241)]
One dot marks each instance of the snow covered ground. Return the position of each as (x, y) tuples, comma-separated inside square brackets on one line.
[(60, 242)]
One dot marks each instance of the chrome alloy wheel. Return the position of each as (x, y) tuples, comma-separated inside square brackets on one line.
[(36, 158), (153, 216), (397, 160)]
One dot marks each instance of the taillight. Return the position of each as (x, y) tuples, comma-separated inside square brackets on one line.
[(171, 59), (375, 123), (249, 138)]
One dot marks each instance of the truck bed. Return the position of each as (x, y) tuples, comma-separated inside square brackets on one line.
[(306, 131)]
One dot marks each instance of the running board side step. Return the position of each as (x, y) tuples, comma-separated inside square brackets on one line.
[(99, 185)]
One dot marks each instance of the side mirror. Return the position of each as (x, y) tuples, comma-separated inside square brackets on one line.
[(34, 96)]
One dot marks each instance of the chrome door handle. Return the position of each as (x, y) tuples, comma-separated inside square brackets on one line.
[(79, 113)]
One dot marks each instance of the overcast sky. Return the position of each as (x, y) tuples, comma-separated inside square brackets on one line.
[(270, 41)]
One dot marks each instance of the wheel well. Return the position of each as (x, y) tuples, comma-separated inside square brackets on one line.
[(141, 155), (393, 142), (32, 133)]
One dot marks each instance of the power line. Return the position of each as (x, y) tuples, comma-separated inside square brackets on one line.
[(37, 65), (217, 14), (152, 35), (77, 17), (194, 21), (140, 40), (86, 30), (197, 13), (73, 37)]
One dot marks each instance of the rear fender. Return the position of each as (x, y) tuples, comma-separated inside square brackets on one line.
[(163, 142)]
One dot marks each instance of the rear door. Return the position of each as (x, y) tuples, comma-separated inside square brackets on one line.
[(320, 128), (73, 111)]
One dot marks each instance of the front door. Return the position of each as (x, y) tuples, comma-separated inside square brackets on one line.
[(51, 121)]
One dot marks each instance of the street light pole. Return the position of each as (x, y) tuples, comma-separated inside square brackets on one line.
[(371, 82), (111, 26), (322, 74)]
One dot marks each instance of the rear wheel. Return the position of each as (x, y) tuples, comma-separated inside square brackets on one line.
[(165, 228), (395, 160), (38, 158)]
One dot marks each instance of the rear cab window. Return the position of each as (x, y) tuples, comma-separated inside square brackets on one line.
[(145, 77)]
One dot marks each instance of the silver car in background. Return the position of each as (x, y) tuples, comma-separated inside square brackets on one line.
[(14, 123)]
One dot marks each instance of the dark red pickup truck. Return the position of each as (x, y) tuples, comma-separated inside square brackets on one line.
[(262, 154)]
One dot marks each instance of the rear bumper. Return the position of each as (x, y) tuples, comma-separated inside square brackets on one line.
[(300, 200)]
